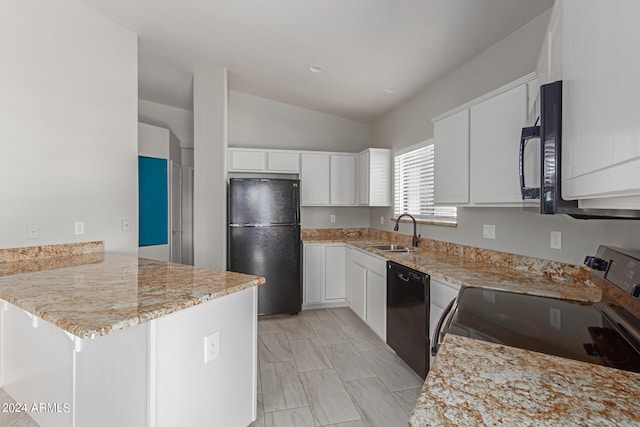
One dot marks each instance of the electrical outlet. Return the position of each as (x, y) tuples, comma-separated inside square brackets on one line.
[(78, 228), (333, 218), (488, 231), (33, 231), (556, 240), (211, 347), (124, 224), (382, 220)]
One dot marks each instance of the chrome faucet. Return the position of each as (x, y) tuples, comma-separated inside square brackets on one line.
[(416, 237)]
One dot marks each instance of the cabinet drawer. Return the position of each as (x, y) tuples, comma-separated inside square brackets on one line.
[(442, 293)]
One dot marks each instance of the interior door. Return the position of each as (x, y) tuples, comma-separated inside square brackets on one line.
[(176, 212)]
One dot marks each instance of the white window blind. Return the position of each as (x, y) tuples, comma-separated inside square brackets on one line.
[(414, 180)]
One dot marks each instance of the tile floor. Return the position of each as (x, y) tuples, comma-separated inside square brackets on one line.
[(325, 367), (13, 419)]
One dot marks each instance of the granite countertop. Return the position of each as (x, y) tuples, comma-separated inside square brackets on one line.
[(476, 383), (94, 294), (469, 266)]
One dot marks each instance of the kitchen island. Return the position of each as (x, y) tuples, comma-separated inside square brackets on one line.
[(95, 338)]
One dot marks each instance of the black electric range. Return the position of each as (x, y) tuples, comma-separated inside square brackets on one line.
[(604, 333)]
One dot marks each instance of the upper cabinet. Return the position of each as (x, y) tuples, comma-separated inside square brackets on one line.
[(477, 150), (451, 167), (327, 178), (495, 127), (315, 179), (267, 161), (343, 179), (601, 126), (374, 177)]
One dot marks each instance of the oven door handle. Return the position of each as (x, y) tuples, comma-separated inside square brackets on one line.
[(436, 333)]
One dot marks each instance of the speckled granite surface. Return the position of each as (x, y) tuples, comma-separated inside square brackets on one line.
[(474, 383), (469, 266), (94, 294), (50, 251)]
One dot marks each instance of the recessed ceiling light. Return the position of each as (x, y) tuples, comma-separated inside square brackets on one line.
[(316, 68), (391, 89)]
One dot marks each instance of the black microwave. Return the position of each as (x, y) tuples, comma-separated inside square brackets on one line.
[(550, 190)]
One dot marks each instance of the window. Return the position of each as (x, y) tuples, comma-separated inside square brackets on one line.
[(414, 181)]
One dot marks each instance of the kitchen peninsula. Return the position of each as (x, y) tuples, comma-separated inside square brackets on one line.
[(109, 339)]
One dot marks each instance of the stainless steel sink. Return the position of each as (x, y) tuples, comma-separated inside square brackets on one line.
[(393, 248)]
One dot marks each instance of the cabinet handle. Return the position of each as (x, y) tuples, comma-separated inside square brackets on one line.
[(527, 134)]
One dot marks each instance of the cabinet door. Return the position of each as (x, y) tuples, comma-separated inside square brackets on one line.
[(377, 304), (496, 124), (343, 179), (358, 289), (451, 152), (335, 258), (600, 126), (314, 178), (313, 267), (283, 161), (363, 178), (243, 160), (347, 275)]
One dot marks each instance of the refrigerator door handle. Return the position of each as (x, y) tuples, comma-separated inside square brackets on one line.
[(296, 203)]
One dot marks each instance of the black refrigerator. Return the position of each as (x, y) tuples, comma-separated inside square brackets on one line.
[(264, 239)]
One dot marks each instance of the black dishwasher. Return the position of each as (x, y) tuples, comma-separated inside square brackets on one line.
[(408, 316)]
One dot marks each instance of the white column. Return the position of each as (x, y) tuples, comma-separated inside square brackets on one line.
[(210, 101)]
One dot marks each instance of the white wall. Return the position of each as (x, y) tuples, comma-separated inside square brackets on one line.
[(256, 122), (69, 125), (179, 121), (517, 230)]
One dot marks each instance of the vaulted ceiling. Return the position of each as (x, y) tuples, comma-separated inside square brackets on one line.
[(363, 46)]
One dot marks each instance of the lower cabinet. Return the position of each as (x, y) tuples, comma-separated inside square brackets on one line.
[(440, 294), (368, 277), (324, 274), (337, 275)]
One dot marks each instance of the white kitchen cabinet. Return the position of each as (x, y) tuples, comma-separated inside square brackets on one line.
[(358, 289), (315, 179), (283, 161), (441, 294), (549, 68), (601, 130), (496, 124), (374, 177), (451, 152), (343, 179), (369, 290), (328, 179), (266, 161), (335, 264), (348, 288), (324, 274), (477, 148), (377, 303)]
